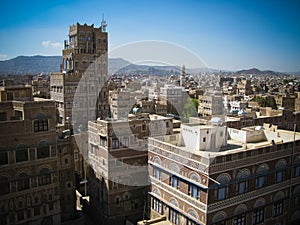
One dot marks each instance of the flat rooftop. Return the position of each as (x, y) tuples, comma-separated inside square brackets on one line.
[(158, 117), (133, 117), (235, 146)]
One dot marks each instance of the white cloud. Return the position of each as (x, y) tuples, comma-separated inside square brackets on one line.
[(56, 45), (46, 44), (3, 56)]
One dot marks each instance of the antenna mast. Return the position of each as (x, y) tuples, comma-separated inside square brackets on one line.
[(103, 24)]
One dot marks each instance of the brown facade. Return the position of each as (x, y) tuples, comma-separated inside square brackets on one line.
[(29, 170), (249, 185), (81, 84), (260, 189), (211, 104), (37, 172), (119, 173), (286, 121), (16, 93), (41, 87)]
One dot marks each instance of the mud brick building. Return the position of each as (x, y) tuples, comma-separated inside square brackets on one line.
[(36, 169), (243, 176)]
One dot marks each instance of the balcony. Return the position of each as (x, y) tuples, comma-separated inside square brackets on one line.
[(175, 153), (247, 196), (180, 195)]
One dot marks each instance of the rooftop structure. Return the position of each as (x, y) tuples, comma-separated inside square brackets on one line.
[(15, 93), (211, 103), (120, 102), (173, 97), (252, 178)]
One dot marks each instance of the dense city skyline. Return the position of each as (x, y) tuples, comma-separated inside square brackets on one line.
[(232, 35), (148, 146)]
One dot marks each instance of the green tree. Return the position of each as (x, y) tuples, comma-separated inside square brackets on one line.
[(268, 101), (190, 108)]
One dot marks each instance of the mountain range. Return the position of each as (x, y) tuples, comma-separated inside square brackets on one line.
[(38, 64), (255, 71), (46, 64), (30, 65)]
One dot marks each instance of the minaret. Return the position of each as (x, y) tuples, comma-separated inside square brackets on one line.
[(103, 24), (182, 76)]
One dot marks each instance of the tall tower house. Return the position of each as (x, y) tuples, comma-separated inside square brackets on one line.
[(83, 73)]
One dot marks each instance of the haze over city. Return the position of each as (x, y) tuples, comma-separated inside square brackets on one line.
[(229, 35)]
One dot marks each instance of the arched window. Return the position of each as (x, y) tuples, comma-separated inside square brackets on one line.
[(43, 150), (261, 178), (223, 178), (194, 217), (296, 195), (259, 203), (195, 177), (157, 192), (297, 166), (175, 168), (173, 201), (222, 191), (240, 215), (44, 177), (157, 160), (278, 204), (262, 168), (193, 213), (279, 196), (174, 215), (4, 186), (23, 182), (280, 170), (240, 209), (194, 190), (174, 180), (219, 218), (242, 184), (259, 211)]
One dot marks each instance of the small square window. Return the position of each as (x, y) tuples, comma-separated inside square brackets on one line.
[(20, 215), (3, 158), (51, 206)]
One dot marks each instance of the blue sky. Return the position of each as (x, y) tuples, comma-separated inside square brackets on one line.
[(225, 34)]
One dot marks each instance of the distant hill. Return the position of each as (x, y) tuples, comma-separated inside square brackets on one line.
[(46, 64), (30, 65), (22, 65), (133, 69), (115, 64), (255, 71)]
